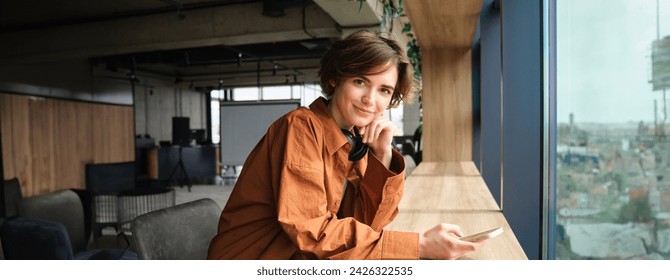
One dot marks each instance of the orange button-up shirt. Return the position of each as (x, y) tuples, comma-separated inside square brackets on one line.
[(290, 202)]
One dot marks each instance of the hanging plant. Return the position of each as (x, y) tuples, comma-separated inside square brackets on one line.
[(390, 11), (413, 50)]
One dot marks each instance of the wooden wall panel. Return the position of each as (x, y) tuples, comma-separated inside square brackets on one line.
[(84, 138), (110, 127), (445, 30), (447, 105), (67, 164), (15, 117), (48, 142), (21, 134), (7, 142), (41, 129)]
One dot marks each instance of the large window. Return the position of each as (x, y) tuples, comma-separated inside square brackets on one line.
[(613, 149)]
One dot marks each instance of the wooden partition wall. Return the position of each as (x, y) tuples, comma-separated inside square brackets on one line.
[(47, 142), (445, 30)]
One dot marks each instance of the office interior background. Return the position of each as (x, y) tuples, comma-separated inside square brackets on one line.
[(565, 109)]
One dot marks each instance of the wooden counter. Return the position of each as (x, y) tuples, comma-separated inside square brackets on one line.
[(502, 247), (455, 193), (446, 193), (462, 168)]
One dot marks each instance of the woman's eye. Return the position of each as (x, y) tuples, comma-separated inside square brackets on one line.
[(359, 82), (386, 91)]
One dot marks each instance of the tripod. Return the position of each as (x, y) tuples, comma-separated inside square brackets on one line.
[(183, 175)]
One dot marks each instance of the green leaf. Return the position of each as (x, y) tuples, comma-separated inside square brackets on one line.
[(406, 28), (383, 23)]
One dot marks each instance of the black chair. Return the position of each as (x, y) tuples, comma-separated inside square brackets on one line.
[(35, 239), (11, 194), (180, 232), (64, 207), (408, 148)]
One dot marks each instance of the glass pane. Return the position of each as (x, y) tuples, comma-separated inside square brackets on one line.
[(277, 93), (312, 92), (613, 155), (245, 94), (296, 91), (396, 115), (216, 128), (216, 94)]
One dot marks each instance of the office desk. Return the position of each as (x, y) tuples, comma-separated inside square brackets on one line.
[(455, 193)]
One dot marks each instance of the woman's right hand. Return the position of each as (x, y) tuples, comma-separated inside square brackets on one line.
[(439, 242)]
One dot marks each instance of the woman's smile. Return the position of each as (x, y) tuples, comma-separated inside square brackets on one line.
[(364, 110)]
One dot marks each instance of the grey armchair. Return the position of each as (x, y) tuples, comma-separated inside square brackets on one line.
[(180, 232)]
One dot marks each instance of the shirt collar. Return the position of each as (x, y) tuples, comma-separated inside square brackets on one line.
[(334, 138)]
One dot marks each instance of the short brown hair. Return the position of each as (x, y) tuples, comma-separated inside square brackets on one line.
[(364, 52)]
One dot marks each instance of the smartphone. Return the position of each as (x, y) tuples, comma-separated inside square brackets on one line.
[(483, 235)]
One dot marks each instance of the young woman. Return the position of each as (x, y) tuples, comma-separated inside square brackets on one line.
[(324, 181)]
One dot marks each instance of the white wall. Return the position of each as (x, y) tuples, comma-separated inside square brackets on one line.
[(155, 107)]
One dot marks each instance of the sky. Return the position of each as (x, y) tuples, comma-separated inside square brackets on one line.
[(604, 59)]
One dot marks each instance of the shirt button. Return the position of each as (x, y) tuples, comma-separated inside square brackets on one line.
[(347, 145)]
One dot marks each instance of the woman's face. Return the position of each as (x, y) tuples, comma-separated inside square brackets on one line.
[(359, 100)]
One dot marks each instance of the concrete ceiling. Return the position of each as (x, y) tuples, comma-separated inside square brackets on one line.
[(235, 42)]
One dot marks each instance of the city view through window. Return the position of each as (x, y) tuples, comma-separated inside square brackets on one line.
[(613, 142)]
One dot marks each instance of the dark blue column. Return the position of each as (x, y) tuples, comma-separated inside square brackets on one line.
[(522, 114), (490, 101)]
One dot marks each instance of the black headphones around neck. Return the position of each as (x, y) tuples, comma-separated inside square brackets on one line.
[(358, 148)]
